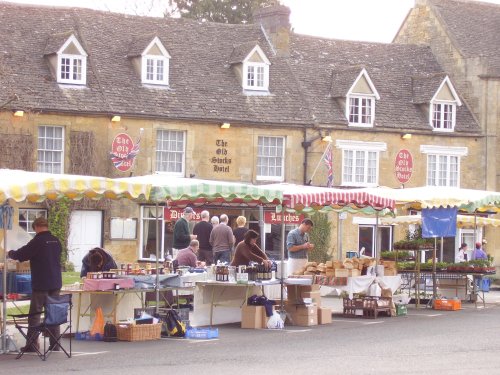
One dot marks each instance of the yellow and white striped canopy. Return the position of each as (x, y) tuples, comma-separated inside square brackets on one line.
[(463, 221), (20, 185)]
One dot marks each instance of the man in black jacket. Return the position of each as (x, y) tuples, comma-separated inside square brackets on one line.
[(44, 254)]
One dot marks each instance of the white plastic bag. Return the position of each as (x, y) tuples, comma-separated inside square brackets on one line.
[(275, 321)]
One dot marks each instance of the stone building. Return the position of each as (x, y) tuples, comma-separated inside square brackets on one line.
[(464, 37), (225, 102)]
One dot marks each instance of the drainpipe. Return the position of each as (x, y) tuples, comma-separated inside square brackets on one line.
[(305, 144)]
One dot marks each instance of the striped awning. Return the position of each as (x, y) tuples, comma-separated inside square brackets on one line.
[(463, 221), (466, 200), (182, 191), (300, 197), (35, 187)]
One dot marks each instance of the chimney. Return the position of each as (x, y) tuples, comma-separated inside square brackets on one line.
[(275, 20)]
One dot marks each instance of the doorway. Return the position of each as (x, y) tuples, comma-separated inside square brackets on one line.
[(85, 233)]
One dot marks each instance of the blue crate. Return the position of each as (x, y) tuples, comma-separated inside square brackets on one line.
[(202, 333), (86, 336)]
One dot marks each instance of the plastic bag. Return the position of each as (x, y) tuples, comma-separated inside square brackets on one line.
[(275, 321), (98, 326)]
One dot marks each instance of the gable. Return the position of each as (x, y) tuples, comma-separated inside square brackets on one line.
[(362, 87), (255, 57), (445, 94), (154, 50), (71, 49)]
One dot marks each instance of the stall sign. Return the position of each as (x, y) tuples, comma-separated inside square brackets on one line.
[(123, 152), (289, 218), (174, 214), (403, 167)]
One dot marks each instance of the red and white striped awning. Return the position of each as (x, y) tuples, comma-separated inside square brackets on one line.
[(298, 197)]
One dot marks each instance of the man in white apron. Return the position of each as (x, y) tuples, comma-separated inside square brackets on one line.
[(298, 246)]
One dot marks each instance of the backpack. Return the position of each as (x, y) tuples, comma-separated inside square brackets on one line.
[(110, 332), (174, 325)]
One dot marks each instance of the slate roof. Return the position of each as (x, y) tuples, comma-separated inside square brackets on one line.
[(241, 51), (423, 85), (474, 28), (203, 85), (390, 67), (343, 79), (56, 41)]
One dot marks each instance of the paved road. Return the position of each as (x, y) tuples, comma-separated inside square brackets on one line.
[(425, 341)]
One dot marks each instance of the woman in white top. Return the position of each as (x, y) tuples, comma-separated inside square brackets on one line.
[(462, 254)]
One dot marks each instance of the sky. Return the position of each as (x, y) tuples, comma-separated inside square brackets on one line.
[(366, 20)]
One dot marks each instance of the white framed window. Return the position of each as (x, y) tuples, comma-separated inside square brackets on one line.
[(170, 152), (443, 164), (155, 63), (27, 216), (72, 63), (155, 70), (148, 235), (50, 149), (271, 158), (256, 76), (361, 110), (360, 162), (123, 228), (443, 116)]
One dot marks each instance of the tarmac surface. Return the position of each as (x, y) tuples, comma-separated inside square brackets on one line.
[(424, 341)]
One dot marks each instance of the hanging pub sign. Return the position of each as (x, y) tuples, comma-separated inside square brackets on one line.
[(403, 167), (174, 214), (275, 218), (124, 151)]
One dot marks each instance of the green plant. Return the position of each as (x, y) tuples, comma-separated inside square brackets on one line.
[(59, 213), (320, 237)]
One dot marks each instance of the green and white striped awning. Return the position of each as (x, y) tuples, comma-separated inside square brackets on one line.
[(183, 191)]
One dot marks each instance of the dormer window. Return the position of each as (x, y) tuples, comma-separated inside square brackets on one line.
[(252, 66), (155, 64), (360, 110), (443, 116), (257, 76), (443, 107), (72, 63)]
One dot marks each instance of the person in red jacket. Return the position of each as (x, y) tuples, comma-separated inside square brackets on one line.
[(44, 254)]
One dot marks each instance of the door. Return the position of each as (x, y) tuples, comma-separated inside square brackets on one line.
[(85, 233)]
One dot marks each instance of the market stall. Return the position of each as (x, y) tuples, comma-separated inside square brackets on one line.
[(19, 186)]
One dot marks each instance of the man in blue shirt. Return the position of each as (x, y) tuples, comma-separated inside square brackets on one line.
[(298, 246), (479, 253)]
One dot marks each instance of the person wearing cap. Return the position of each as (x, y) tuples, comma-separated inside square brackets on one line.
[(44, 253), (479, 253), (461, 254), (97, 260), (298, 246), (182, 237)]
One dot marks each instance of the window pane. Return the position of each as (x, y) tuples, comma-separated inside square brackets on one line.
[(169, 151), (270, 157), (50, 149)]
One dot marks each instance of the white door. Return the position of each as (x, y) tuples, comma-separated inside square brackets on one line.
[(85, 233)]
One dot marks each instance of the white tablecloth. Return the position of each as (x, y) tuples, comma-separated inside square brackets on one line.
[(361, 284)]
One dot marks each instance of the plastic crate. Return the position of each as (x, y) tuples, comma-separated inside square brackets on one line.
[(401, 310), (202, 333), (86, 336), (447, 304)]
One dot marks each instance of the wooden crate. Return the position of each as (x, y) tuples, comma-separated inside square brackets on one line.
[(139, 332)]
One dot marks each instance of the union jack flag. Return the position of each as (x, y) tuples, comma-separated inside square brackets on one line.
[(118, 161), (328, 159)]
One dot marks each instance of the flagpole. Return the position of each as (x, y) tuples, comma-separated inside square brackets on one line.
[(320, 160)]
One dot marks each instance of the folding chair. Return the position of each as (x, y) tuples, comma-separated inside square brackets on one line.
[(55, 312)]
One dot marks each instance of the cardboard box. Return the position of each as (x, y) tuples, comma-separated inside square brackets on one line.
[(324, 315), (390, 272), (314, 296), (252, 316), (305, 315), (341, 272), (354, 272), (296, 293)]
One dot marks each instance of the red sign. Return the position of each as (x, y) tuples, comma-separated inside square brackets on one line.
[(275, 218), (403, 167), (121, 148), (173, 214)]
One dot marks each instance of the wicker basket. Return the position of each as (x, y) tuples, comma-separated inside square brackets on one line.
[(140, 332)]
